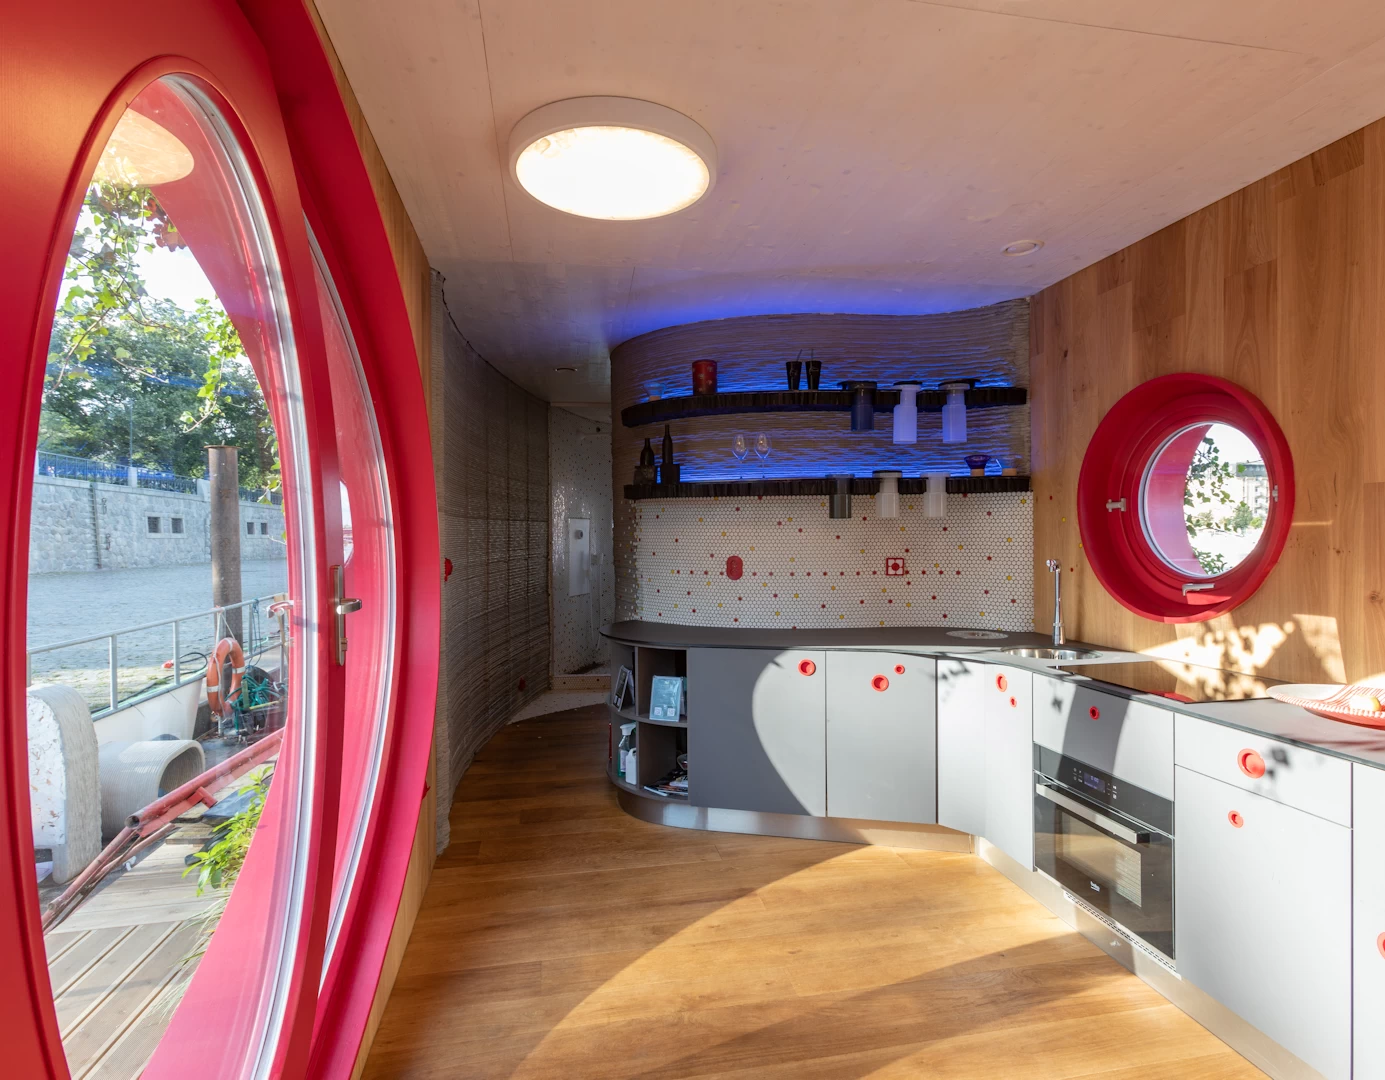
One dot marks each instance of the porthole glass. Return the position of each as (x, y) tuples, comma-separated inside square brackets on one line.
[(1204, 499), (1186, 497)]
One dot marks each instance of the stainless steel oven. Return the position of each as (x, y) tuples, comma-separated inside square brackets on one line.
[(1107, 842)]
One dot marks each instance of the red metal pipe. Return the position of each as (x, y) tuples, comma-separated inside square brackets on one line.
[(145, 823), (182, 798)]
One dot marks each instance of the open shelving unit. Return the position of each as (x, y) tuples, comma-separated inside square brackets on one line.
[(667, 409), (658, 742), (818, 486)]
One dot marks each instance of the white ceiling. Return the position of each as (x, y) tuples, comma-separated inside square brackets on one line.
[(875, 155)]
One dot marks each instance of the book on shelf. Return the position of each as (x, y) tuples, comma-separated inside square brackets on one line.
[(620, 687), (665, 697)]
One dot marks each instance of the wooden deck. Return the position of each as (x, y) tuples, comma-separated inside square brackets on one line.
[(123, 948), (562, 939)]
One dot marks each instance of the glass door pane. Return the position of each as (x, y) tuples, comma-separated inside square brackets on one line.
[(368, 551), (173, 580)]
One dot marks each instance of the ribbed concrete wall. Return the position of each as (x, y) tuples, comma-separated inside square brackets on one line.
[(494, 517)]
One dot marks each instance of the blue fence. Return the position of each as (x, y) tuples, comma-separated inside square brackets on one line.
[(75, 468), (104, 472)]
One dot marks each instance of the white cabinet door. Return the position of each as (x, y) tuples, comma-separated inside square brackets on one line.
[(881, 743), (1368, 922), (1262, 916), (962, 745), (1129, 739), (1009, 711)]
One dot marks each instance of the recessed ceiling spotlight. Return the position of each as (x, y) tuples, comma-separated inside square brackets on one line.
[(618, 159), (1021, 247), (565, 369)]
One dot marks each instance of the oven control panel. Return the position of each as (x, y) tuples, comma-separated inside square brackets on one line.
[(1102, 788)]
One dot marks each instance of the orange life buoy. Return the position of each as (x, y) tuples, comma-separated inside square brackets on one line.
[(225, 648)]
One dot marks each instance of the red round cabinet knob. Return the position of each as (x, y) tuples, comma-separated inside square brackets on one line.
[(807, 667), (1002, 683), (1380, 945), (899, 669), (1094, 713), (1251, 763), (1014, 704), (1235, 818), (880, 682)]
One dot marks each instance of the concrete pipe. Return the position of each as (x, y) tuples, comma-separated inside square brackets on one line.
[(63, 786), (135, 774)]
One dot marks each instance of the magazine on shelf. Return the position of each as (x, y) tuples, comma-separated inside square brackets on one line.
[(672, 785)]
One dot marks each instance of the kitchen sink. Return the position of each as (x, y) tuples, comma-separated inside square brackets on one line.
[(1053, 654)]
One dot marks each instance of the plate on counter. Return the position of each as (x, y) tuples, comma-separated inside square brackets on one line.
[(1362, 705)]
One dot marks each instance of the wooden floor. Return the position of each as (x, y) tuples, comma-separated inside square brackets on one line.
[(562, 939), (119, 962)]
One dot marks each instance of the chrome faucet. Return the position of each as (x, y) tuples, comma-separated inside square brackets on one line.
[(1056, 569)]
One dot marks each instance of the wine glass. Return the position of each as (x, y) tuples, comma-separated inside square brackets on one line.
[(740, 447), (763, 447)]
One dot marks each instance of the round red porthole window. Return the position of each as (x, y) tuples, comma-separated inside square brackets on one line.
[(1185, 498)]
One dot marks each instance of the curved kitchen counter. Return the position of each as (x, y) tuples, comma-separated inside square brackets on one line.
[(1264, 716)]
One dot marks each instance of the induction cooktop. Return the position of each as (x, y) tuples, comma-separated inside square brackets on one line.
[(1189, 683)]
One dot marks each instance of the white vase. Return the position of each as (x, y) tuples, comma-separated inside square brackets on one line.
[(906, 414), (887, 498), (935, 498)]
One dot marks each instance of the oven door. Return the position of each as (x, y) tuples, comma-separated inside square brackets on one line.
[(1116, 864)]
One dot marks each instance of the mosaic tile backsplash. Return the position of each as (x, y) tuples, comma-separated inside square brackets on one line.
[(799, 568)]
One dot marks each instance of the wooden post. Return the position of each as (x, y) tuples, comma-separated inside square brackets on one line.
[(223, 475)]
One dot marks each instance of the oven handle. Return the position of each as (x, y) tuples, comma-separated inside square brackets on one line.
[(1101, 821)]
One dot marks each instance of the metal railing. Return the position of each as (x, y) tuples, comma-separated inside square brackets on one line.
[(181, 672), (68, 467), (166, 481), (76, 468), (262, 495)]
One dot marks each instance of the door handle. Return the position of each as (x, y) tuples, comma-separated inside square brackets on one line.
[(1101, 821), (342, 606)]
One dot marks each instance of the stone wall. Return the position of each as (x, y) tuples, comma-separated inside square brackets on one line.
[(78, 526)]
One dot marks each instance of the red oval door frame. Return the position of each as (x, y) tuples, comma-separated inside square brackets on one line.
[(259, 57)]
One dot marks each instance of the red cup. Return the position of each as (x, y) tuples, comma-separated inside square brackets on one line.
[(704, 376)]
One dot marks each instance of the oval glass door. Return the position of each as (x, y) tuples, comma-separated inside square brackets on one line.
[(181, 677), (368, 571)]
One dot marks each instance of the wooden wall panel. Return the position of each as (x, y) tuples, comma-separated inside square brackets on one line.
[(1278, 287)]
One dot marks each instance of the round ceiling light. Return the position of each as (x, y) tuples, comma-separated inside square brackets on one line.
[(617, 159), (1021, 247)]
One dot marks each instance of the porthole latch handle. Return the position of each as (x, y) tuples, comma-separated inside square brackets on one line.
[(1118, 504), (1191, 587)]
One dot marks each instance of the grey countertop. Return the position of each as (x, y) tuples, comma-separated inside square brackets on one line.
[(1261, 716), (906, 638)]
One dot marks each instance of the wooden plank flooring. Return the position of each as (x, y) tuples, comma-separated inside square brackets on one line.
[(561, 938), (123, 947)]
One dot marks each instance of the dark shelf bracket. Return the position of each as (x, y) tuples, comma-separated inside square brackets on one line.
[(751, 489), (665, 410)]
